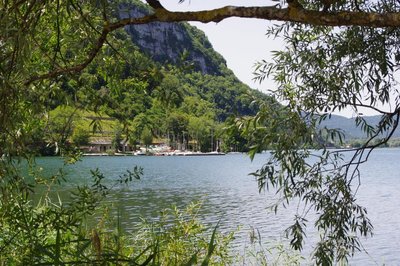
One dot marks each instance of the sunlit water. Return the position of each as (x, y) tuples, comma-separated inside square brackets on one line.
[(229, 195)]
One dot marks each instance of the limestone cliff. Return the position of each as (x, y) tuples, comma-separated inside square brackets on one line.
[(168, 42)]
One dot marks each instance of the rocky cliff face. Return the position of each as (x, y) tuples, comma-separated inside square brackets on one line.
[(167, 42)]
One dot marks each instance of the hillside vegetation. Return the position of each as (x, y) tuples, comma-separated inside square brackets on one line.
[(174, 89)]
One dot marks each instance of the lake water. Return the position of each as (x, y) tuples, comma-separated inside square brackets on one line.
[(231, 196)]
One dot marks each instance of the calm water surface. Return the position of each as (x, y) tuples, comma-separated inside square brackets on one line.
[(230, 195)]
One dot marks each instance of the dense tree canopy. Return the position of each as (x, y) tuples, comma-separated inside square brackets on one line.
[(58, 52)]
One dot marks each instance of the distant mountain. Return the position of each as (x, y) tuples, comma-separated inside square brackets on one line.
[(348, 125)]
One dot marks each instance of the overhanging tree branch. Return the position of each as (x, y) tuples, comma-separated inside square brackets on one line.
[(294, 13)]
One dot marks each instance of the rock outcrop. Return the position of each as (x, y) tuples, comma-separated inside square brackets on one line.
[(173, 42)]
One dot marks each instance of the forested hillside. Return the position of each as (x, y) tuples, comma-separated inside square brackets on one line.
[(170, 86)]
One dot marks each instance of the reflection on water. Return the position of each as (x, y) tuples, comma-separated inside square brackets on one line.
[(231, 196)]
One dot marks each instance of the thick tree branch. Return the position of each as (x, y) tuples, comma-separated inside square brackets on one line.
[(294, 13)]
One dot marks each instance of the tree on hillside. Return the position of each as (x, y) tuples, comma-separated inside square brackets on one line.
[(80, 137), (338, 54), (147, 138), (169, 93)]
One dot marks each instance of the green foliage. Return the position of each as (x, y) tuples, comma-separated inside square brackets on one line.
[(200, 129), (60, 128), (228, 95), (177, 123), (233, 139), (80, 137), (182, 240), (147, 137), (48, 231), (117, 139), (169, 93), (215, 62)]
